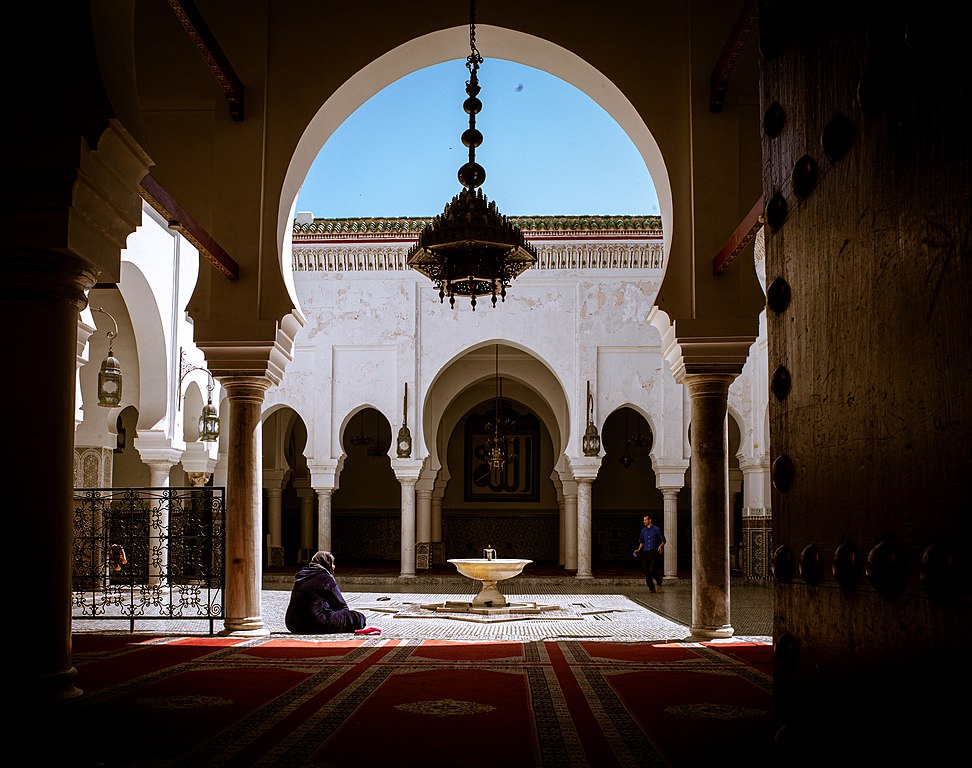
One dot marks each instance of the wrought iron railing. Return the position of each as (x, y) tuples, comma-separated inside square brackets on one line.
[(148, 554)]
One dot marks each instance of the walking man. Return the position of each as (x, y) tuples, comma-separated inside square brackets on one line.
[(650, 545)]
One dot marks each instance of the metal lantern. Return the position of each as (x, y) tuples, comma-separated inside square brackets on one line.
[(404, 444), (208, 418), (110, 375), (209, 423), (110, 382), (592, 440)]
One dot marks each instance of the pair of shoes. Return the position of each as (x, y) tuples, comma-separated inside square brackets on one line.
[(652, 590), (368, 631), (659, 587)]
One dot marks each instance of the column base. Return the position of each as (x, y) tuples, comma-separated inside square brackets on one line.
[(724, 631), (248, 627), (584, 576)]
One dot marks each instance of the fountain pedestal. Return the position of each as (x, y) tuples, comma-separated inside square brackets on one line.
[(489, 572)]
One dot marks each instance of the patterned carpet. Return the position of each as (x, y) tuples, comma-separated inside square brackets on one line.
[(336, 702)]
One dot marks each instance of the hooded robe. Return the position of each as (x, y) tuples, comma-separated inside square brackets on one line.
[(316, 604)]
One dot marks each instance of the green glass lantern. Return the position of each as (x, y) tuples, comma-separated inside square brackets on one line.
[(209, 423), (110, 375)]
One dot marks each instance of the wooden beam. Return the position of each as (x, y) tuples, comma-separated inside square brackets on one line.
[(739, 239), (182, 222), (207, 45), (719, 80)]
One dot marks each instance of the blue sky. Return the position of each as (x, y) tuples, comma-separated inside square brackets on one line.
[(547, 149)]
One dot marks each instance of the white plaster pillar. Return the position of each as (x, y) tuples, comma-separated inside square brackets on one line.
[(570, 525), (160, 460), (244, 506), (407, 471), (710, 504)]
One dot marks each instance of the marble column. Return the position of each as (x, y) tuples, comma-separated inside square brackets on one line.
[(570, 525), (437, 495), (324, 498), (275, 526), (407, 471), (408, 527), (306, 495), (70, 204), (158, 522), (244, 506), (584, 529), (670, 528), (710, 504), (46, 291), (423, 509)]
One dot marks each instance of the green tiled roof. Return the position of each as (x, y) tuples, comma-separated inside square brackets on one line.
[(414, 224)]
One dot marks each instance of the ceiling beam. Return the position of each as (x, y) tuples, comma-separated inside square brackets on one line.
[(739, 239), (181, 221), (719, 80), (207, 45)]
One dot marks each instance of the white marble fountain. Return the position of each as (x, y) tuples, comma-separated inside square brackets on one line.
[(489, 570)]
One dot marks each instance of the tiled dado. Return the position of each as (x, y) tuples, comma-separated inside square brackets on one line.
[(757, 530)]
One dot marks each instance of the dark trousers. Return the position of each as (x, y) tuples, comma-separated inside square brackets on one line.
[(652, 561)]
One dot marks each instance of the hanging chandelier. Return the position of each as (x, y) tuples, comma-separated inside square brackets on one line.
[(499, 448), (471, 249)]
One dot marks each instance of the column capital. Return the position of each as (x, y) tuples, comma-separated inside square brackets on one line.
[(155, 448), (749, 464), (275, 479), (714, 346), (407, 470), (196, 458), (585, 469), (669, 475), (245, 387), (324, 473)]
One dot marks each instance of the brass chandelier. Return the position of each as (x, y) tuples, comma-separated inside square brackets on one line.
[(500, 449), (471, 249)]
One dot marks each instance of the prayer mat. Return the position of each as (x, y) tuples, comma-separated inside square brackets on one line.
[(348, 701)]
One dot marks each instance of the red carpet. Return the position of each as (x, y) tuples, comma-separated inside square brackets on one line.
[(281, 701)]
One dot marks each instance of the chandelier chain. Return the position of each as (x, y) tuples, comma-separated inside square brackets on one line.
[(474, 59)]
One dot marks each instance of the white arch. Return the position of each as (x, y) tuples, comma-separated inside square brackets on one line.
[(446, 45), (153, 358), (459, 385)]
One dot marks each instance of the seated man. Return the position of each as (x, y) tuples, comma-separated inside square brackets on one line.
[(316, 604)]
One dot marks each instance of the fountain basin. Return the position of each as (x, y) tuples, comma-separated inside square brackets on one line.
[(489, 572)]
